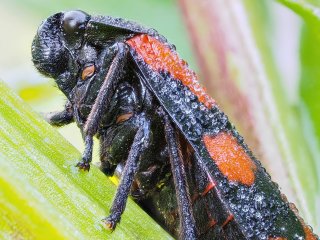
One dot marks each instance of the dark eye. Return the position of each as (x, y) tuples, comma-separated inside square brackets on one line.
[(74, 22), (73, 26)]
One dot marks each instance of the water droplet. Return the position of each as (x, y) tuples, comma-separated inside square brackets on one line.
[(173, 84), (258, 215), (194, 105), (298, 237), (245, 208), (187, 110)]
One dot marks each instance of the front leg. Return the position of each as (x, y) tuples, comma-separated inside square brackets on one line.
[(84, 164), (60, 118), (102, 102)]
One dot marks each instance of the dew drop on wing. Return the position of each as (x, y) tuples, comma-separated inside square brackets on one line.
[(252, 210), (154, 76), (174, 84), (156, 79), (232, 206), (192, 97), (258, 216), (194, 105), (262, 236), (177, 101), (211, 115), (250, 234), (258, 201), (245, 209), (199, 116), (187, 110), (176, 110), (187, 92), (298, 237), (198, 129)]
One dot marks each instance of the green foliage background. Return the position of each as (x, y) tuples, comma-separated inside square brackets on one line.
[(20, 19)]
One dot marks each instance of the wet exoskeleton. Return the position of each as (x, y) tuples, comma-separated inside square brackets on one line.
[(180, 156)]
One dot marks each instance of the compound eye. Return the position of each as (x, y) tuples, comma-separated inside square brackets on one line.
[(87, 72), (74, 22), (73, 26)]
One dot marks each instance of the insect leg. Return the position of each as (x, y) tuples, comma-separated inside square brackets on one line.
[(101, 103), (60, 118), (187, 222), (140, 141), (113, 145)]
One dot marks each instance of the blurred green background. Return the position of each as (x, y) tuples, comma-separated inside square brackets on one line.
[(288, 47)]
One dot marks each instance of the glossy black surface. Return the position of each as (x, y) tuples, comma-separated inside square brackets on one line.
[(123, 86)]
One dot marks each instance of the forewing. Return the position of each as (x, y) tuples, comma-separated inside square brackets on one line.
[(102, 30), (242, 190)]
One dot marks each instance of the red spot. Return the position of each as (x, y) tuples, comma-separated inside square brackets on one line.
[(160, 57), (208, 188), (229, 219), (212, 223), (230, 157), (308, 233)]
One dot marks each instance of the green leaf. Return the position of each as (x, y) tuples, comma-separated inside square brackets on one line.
[(43, 196), (309, 90), (309, 10)]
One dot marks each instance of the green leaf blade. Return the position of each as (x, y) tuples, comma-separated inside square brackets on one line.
[(44, 195)]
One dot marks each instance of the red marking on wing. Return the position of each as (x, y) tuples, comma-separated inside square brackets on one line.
[(229, 219), (160, 57), (212, 223), (309, 235), (208, 188), (230, 157)]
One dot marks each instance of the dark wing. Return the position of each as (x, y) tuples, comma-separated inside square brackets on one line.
[(239, 197), (102, 30)]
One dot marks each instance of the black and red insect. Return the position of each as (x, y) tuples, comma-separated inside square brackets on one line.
[(179, 155)]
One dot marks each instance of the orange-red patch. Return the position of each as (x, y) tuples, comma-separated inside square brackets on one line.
[(208, 188), (229, 219), (230, 158), (308, 233), (160, 57)]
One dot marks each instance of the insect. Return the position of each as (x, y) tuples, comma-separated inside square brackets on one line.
[(179, 154)]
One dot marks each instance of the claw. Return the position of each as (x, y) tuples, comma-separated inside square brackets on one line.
[(109, 223), (85, 166)]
